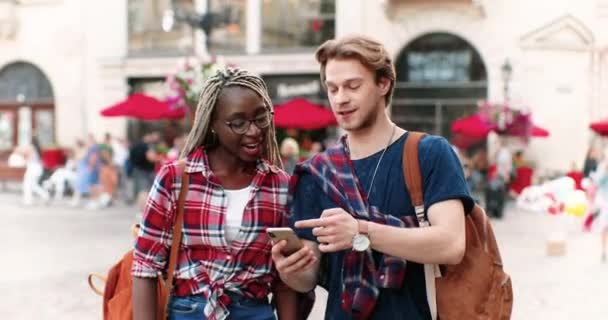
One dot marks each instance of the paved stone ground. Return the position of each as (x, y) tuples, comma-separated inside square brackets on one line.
[(47, 252), (572, 286)]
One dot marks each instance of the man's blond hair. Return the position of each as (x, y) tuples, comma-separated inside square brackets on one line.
[(367, 51)]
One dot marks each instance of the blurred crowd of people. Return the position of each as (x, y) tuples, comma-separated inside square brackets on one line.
[(95, 174), (595, 171), (492, 179), (292, 153)]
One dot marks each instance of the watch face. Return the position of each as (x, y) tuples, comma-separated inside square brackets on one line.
[(360, 242)]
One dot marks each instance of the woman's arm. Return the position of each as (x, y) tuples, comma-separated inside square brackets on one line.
[(152, 245), (299, 270), (144, 298), (286, 302)]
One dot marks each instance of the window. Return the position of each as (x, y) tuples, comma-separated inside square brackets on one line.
[(26, 80), (229, 31), (25, 126), (146, 35), (45, 130), (440, 78), (297, 24), (439, 66), (439, 57), (7, 129), (26, 106)]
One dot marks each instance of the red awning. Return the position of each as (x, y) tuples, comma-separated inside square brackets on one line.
[(300, 113), (600, 127), (473, 126), (143, 107)]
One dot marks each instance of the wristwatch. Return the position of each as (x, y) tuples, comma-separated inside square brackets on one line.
[(361, 240)]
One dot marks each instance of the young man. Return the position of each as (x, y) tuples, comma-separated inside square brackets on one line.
[(370, 260)]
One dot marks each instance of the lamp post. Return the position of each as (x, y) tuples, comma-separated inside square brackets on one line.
[(195, 21), (504, 115), (506, 72), (205, 22)]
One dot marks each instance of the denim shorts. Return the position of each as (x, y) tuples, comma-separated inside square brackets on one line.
[(192, 308)]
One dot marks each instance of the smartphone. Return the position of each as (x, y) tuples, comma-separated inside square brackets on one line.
[(293, 242)]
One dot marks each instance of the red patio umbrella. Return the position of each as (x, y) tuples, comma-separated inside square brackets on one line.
[(464, 142), (600, 127), (300, 113), (175, 113), (473, 126), (521, 124), (539, 132), (143, 107)]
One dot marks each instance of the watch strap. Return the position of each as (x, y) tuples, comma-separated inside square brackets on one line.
[(363, 227)]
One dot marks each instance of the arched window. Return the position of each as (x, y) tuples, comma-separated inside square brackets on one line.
[(26, 106), (440, 77), (25, 79)]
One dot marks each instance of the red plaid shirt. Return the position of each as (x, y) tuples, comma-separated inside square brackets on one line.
[(207, 263)]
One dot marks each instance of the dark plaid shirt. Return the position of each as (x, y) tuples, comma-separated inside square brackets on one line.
[(334, 173)]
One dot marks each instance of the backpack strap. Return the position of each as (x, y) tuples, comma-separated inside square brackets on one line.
[(177, 227), (413, 177), (413, 182)]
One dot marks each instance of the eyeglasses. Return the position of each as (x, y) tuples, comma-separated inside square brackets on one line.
[(241, 126)]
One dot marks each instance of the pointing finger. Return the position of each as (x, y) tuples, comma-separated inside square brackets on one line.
[(310, 223)]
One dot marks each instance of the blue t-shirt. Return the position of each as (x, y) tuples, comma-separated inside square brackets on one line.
[(443, 179)]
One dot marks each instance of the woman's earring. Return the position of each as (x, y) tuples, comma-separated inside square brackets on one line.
[(213, 139)]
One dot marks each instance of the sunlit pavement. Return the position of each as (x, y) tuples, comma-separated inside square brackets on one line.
[(48, 250)]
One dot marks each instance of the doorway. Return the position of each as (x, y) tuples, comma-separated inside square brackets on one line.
[(440, 78)]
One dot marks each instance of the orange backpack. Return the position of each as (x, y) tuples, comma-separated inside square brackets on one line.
[(118, 291), (477, 287)]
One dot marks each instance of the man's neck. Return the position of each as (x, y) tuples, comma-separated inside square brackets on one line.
[(364, 143)]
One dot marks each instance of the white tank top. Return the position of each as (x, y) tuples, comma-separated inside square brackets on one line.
[(237, 200)]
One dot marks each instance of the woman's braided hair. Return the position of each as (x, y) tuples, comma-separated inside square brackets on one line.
[(200, 134)]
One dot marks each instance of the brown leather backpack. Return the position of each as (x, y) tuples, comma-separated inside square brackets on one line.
[(477, 287), (118, 291)]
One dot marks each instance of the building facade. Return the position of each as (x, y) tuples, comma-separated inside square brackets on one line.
[(557, 51), (62, 61)]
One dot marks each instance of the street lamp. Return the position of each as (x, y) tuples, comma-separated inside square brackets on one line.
[(506, 71), (168, 20), (197, 21)]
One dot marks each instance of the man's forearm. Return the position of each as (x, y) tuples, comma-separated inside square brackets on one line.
[(441, 243), (422, 245)]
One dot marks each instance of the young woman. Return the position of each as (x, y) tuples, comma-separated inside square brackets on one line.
[(237, 189), (33, 173)]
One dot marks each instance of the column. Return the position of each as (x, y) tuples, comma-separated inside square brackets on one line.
[(254, 26), (199, 37)]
